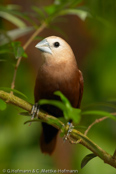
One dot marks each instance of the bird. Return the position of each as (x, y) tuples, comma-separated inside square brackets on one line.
[(58, 72)]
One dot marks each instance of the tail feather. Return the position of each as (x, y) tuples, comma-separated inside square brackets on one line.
[(47, 148), (48, 138)]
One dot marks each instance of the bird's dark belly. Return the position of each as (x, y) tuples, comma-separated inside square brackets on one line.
[(48, 93)]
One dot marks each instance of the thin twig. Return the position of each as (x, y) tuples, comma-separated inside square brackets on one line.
[(40, 29), (95, 122)]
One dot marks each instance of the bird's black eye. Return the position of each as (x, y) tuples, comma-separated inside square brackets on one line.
[(56, 44)]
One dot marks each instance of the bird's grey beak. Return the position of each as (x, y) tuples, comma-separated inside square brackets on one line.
[(44, 46)]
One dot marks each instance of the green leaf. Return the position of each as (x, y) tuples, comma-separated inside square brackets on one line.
[(58, 29), (24, 55), (19, 53), (51, 9), (13, 19), (69, 112), (39, 12), (100, 113), (75, 115), (56, 103), (14, 90), (87, 158), (2, 105), (63, 98), (18, 50), (13, 7), (3, 51), (82, 14), (67, 3), (14, 34)]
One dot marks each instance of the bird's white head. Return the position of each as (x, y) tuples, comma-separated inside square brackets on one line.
[(55, 49)]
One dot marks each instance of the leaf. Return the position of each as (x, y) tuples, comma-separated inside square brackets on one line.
[(63, 98), (14, 10), (97, 112), (75, 115), (63, 120), (87, 158), (13, 7), (51, 9), (67, 3), (56, 103), (2, 105), (24, 55), (14, 34), (69, 112), (39, 12), (58, 29), (13, 19), (14, 90), (3, 51), (57, 2), (82, 14), (18, 50)]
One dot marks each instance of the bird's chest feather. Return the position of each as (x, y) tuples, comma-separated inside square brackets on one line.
[(51, 79)]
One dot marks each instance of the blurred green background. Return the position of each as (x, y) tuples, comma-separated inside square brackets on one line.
[(93, 41)]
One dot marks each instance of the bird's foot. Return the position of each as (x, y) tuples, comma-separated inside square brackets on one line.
[(70, 128), (34, 111)]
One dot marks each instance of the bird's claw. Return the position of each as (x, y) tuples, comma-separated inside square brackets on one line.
[(34, 111), (70, 128)]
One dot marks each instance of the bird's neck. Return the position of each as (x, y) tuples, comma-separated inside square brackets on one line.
[(58, 70)]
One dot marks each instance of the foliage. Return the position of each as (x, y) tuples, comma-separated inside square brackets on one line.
[(18, 50), (99, 74), (86, 159), (69, 112)]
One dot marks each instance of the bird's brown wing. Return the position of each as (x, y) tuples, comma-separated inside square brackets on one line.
[(81, 84)]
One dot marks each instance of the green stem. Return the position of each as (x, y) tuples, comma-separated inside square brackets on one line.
[(89, 144)]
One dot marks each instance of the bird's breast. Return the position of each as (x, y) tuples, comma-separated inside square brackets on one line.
[(51, 79)]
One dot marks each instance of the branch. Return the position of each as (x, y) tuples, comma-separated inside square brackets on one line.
[(41, 28), (75, 134), (95, 122)]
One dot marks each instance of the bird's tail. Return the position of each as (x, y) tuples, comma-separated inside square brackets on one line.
[(48, 139)]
